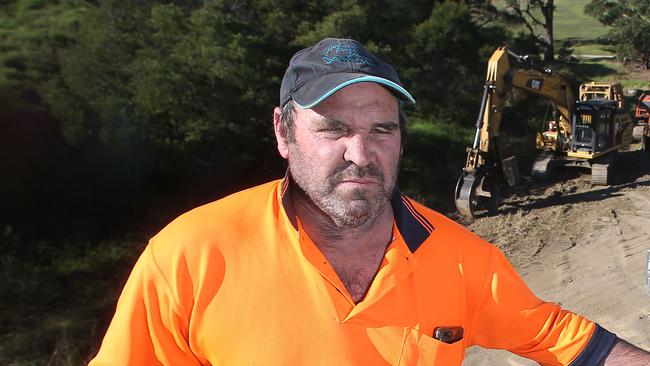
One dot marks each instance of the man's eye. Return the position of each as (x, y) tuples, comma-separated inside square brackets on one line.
[(381, 131), (334, 130)]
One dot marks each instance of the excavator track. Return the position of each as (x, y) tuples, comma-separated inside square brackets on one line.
[(601, 170), (543, 166), (600, 174)]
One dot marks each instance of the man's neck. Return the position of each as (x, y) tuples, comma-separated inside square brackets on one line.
[(355, 253)]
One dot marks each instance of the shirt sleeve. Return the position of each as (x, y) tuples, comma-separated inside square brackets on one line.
[(509, 316), (148, 328)]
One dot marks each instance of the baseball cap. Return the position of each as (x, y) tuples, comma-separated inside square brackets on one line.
[(319, 71)]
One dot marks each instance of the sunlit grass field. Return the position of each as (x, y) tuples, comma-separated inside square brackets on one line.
[(570, 21), (593, 49)]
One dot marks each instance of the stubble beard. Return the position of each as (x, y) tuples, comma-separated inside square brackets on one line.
[(357, 208)]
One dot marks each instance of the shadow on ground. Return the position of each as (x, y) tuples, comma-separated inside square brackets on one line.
[(632, 170)]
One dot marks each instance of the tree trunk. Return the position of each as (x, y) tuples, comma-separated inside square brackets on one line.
[(547, 11)]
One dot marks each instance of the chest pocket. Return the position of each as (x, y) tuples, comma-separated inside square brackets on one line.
[(421, 349)]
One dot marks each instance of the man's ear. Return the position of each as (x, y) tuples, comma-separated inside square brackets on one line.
[(280, 133)]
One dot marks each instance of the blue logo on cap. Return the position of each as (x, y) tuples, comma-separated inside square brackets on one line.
[(342, 52)]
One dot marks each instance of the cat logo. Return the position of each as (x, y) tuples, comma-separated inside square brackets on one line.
[(535, 84)]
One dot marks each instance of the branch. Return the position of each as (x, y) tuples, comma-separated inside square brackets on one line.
[(637, 12), (530, 27), (535, 20)]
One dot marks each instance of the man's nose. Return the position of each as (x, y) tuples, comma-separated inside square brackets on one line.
[(358, 150)]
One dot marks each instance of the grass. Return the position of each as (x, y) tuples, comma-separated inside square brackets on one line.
[(635, 84), (57, 297), (611, 71), (593, 49), (599, 70), (436, 130), (570, 21), (433, 158)]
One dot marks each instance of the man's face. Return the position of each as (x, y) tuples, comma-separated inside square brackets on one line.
[(346, 151)]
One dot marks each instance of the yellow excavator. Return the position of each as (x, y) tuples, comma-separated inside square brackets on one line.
[(584, 133)]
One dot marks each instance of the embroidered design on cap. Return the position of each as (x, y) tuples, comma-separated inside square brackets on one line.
[(341, 52)]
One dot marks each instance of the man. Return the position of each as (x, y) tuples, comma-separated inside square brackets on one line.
[(332, 265)]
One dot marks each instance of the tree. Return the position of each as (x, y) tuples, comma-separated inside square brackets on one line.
[(442, 69), (630, 26), (30, 34), (484, 12), (536, 14), (192, 82), (175, 91)]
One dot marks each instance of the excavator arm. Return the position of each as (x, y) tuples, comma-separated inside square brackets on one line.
[(487, 168)]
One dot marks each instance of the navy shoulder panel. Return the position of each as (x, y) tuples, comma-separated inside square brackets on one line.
[(597, 349)]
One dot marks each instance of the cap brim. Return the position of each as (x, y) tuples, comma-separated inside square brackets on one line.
[(311, 94)]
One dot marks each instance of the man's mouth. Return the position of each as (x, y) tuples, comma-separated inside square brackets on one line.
[(359, 181)]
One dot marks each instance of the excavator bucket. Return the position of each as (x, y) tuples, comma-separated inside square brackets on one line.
[(510, 170)]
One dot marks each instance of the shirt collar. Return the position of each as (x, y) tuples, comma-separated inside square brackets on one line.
[(412, 225)]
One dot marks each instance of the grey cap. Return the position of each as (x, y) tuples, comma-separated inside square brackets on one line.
[(319, 71)]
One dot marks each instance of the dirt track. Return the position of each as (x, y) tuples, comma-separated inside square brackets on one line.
[(581, 246)]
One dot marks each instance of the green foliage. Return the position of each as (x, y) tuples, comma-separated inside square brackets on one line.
[(171, 77), (565, 51), (30, 33), (346, 22), (442, 67), (630, 26), (174, 78)]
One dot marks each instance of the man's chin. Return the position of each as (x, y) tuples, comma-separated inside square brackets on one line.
[(352, 218), (358, 193), (354, 212)]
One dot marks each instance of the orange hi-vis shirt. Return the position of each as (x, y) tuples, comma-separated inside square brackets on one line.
[(237, 282)]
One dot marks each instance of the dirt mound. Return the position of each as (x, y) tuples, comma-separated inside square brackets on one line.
[(581, 246)]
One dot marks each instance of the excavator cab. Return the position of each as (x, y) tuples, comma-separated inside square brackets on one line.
[(593, 129)]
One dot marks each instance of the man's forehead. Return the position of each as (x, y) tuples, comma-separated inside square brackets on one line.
[(330, 114), (365, 97)]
